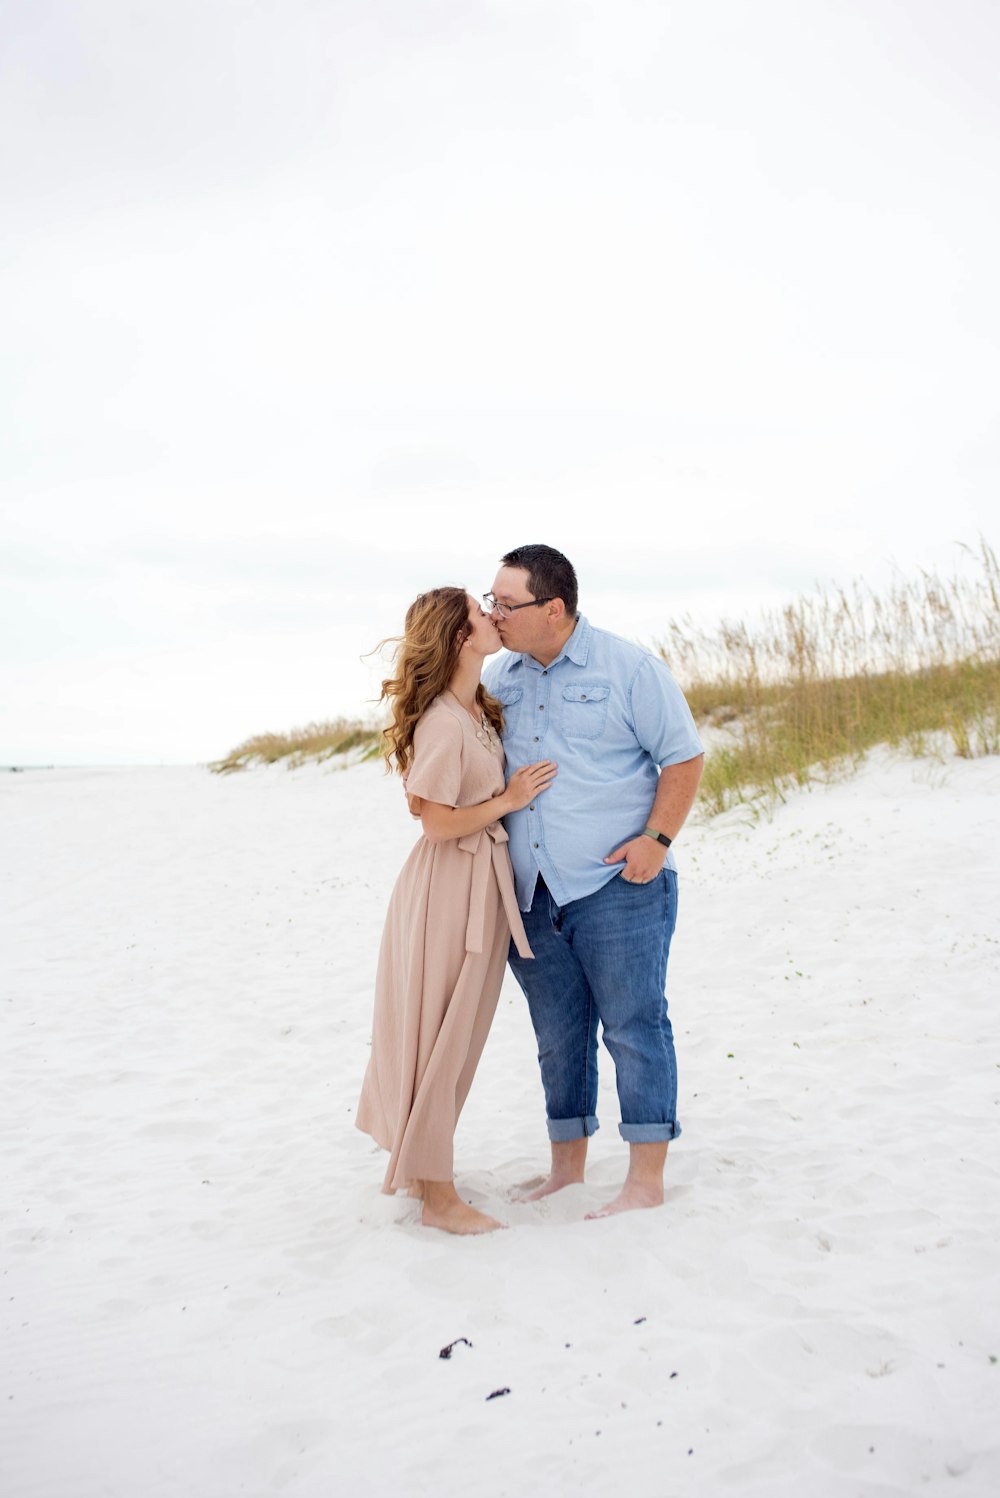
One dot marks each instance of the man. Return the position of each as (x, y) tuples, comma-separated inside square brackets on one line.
[(594, 874)]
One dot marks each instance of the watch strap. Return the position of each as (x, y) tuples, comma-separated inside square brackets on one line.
[(659, 837)]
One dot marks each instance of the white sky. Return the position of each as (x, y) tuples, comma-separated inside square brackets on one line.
[(308, 306)]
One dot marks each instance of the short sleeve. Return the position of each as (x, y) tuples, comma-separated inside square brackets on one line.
[(436, 771), (661, 717)]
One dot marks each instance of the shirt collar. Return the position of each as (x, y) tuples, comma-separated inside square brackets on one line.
[(576, 648)]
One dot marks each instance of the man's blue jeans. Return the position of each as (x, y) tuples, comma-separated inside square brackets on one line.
[(604, 958)]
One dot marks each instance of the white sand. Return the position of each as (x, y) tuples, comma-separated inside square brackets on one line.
[(204, 1293)]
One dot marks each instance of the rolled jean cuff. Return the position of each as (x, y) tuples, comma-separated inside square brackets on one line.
[(562, 1130), (649, 1133)]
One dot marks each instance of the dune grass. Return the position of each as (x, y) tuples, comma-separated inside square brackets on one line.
[(810, 688), (804, 691), (317, 741)]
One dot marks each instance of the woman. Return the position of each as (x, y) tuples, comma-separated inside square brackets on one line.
[(453, 911)]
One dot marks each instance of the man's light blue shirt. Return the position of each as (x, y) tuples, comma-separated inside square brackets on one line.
[(611, 716)]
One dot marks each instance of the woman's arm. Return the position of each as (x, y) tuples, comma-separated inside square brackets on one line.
[(442, 823)]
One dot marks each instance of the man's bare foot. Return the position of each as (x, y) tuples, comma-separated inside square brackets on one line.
[(632, 1196), (569, 1160), (547, 1187), (644, 1183), (416, 1190), (445, 1209), (459, 1217)]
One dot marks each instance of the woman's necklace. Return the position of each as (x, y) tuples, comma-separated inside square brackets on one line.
[(485, 732)]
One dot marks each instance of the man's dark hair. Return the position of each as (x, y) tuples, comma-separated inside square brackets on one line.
[(550, 574)]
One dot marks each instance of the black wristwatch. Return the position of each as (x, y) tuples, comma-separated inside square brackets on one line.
[(660, 837)]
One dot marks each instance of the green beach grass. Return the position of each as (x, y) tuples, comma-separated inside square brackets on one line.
[(316, 742), (809, 689), (804, 691)]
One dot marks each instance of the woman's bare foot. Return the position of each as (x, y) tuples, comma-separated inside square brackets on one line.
[(444, 1209), (460, 1218)]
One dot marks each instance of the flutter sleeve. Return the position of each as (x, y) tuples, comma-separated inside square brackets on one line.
[(436, 771)]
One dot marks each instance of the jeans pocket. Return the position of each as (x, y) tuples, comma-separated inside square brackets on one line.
[(641, 883)]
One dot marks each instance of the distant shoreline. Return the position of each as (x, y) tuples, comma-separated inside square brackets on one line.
[(179, 764)]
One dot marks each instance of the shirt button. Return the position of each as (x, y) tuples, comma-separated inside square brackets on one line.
[(545, 673), (541, 707), (534, 845), (532, 806), (536, 738)]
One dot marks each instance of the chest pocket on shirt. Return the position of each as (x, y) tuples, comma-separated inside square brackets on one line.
[(509, 699), (584, 710)]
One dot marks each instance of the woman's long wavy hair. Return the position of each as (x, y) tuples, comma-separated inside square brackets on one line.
[(437, 626)]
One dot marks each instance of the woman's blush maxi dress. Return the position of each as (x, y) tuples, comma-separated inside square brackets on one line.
[(441, 963)]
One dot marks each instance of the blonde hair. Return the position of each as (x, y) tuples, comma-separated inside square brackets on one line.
[(437, 626)]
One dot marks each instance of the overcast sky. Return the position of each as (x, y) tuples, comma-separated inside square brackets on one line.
[(311, 304)]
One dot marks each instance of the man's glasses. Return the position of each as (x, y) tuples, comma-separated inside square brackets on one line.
[(506, 609)]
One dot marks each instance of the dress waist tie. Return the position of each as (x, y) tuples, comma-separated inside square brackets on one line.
[(488, 849)]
